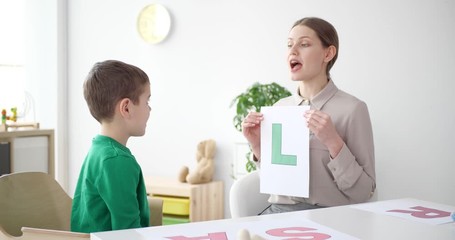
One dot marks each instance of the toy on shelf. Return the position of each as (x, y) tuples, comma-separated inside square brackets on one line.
[(3, 116), (10, 122), (205, 164), (14, 116)]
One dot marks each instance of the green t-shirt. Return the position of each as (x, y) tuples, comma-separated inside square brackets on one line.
[(110, 193)]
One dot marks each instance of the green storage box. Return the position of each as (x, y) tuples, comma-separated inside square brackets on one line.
[(169, 220)]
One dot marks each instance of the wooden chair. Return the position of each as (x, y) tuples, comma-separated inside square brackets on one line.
[(33, 205)]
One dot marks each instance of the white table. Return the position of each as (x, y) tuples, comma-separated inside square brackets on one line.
[(340, 222)]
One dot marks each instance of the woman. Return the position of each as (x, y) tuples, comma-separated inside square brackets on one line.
[(342, 165)]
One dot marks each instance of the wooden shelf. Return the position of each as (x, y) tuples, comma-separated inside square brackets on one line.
[(206, 200), (12, 137)]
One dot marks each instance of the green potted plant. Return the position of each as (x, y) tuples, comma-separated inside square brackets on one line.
[(255, 97)]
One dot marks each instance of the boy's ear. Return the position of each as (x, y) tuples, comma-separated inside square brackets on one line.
[(123, 107)]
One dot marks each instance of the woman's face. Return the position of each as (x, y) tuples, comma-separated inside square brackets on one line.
[(306, 55)]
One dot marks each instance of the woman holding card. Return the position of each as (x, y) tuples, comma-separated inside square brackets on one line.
[(342, 164)]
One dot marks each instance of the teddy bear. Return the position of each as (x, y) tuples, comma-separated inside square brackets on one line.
[(205, 167)]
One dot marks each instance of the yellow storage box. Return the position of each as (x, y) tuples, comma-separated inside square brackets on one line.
[(175, 205)]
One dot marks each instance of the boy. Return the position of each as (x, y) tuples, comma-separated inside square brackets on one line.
[(110, 193)]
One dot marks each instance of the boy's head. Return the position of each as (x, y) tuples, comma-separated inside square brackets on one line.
[(109, 82)]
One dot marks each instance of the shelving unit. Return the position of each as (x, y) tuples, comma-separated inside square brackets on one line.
[(183, 202), (27, 150)]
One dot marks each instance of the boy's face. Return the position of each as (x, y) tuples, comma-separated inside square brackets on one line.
[(141, 112)]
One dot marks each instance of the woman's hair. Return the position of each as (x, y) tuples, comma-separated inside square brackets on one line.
[(109, 82), (325, 32)]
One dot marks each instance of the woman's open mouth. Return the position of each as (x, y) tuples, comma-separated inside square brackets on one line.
[(295, 65)]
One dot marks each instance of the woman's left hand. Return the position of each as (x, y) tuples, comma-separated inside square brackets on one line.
[(320, 124)]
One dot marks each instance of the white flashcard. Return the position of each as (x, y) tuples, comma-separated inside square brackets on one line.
[(411, 209), (285, 164)]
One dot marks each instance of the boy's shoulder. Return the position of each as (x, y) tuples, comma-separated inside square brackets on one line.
[(107, 147)]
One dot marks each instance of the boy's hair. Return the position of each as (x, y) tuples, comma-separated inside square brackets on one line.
[(326, 33), (109, 82)]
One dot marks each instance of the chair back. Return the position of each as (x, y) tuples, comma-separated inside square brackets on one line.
[(245, 198), (33, 199)]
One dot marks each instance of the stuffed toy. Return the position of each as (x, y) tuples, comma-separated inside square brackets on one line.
[(205, 167)]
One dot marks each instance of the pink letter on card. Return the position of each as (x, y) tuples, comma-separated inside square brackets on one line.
[(424, 212), (210, 236), (296, 232)]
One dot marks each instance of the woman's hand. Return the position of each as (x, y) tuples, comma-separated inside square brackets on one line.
[(251, 129), (322, 127)]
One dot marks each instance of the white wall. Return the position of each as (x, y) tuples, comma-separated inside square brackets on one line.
[(397, 56), (46, 73)]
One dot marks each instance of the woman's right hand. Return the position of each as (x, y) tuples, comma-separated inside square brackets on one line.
[(251, 129)]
